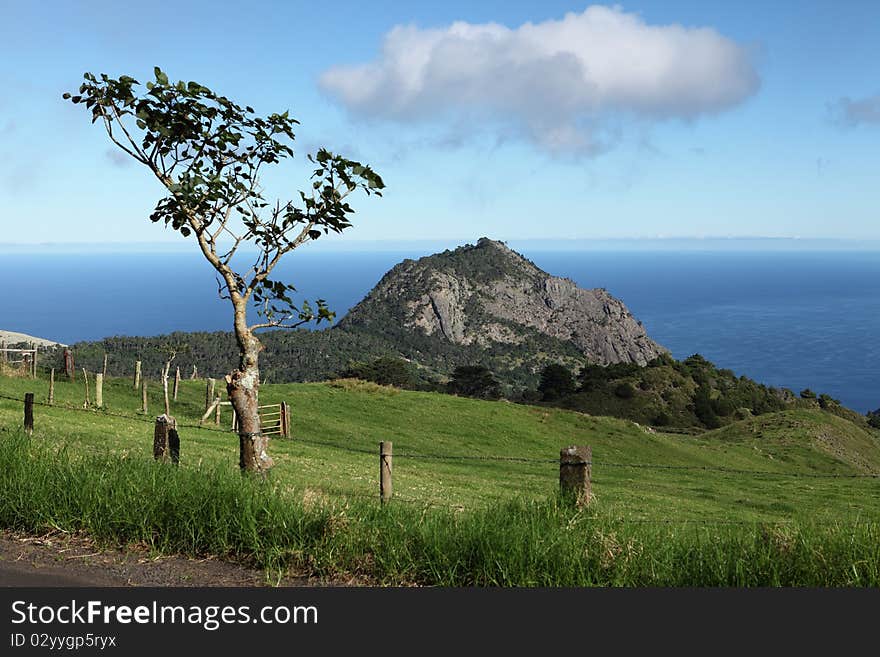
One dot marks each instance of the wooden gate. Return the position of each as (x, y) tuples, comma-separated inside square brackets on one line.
[(275, 420)]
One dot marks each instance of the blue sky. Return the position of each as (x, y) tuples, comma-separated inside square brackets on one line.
[(516, 120)]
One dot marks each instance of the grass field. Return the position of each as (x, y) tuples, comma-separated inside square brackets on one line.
[(786, 492)]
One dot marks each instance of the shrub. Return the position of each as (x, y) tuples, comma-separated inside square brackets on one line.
[(722, 406), (662, 419), (703, 408), (386, 371), (625, 390), (826, 401), (474, 381), (556, 382)]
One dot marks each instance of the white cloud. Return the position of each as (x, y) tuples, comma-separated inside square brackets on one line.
[(854, 112), (556, 82)]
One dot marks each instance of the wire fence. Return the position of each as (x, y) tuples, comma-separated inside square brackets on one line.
[(460, 458), (464, 457), (105, 413)]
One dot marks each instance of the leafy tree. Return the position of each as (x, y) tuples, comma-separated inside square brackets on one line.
[(386, 371), (208, 152), (874, 418), (556, 382), (806, 393), (474, 381), (592, 377)]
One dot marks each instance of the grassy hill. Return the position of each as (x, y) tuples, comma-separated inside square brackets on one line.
[(796, 464), (781, 499)]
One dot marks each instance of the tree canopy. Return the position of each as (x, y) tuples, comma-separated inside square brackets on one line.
[(209, 152)]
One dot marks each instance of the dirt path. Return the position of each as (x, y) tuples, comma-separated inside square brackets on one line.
[(66, 560)]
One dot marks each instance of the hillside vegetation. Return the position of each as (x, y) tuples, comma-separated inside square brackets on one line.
[(692, 393), (781, 499), (337, 427), (484, 306)]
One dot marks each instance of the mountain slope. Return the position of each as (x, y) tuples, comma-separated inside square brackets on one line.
[(488, 296)]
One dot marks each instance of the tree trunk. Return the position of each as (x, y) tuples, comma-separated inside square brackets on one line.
[(243, 386)]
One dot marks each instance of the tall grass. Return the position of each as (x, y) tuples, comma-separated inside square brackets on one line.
[(215, 511)]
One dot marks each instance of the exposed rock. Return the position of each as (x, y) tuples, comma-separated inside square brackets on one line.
[(488, 294), (11, 337)]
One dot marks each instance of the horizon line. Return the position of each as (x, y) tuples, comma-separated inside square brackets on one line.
[(636, 238)]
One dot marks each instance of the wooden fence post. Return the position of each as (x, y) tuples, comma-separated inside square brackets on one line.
[(210, 410), (29, 412), (217, 416), (34, 361), (144, 396), (137, 374), (3, 355), (285, 420), (104, 368), (209, 394), (165, 392), (385, 491), (165, 424), (195, 374), (86, 379), (176, 382), (52, 386), (99, 390), (575, 466), (69, 368)]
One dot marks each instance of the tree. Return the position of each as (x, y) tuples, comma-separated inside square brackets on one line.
[(170, 350), (474, 381), (703, 408), (208, 153), (556, 381), (386, 371)]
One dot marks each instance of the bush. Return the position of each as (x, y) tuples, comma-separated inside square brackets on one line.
[(662, 419), (722, 406), (826, 401), (625, 390), (474, 381), (529, 396), (556, 382), (703, 408), (742, 414), (806, 393), (386, 371)]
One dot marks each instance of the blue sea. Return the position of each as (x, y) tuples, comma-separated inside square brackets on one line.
[(786, 318)]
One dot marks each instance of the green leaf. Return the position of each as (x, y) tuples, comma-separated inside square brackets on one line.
[(161, 78)]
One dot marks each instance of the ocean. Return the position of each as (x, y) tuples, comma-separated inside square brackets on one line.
[(785, 318)]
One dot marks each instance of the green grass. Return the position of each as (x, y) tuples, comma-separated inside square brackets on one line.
[(518, 543), (456, 522)]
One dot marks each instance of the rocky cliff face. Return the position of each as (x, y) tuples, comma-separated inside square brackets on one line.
[(488, 295)]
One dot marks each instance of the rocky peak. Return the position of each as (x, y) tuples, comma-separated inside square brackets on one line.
[(487, 294)]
